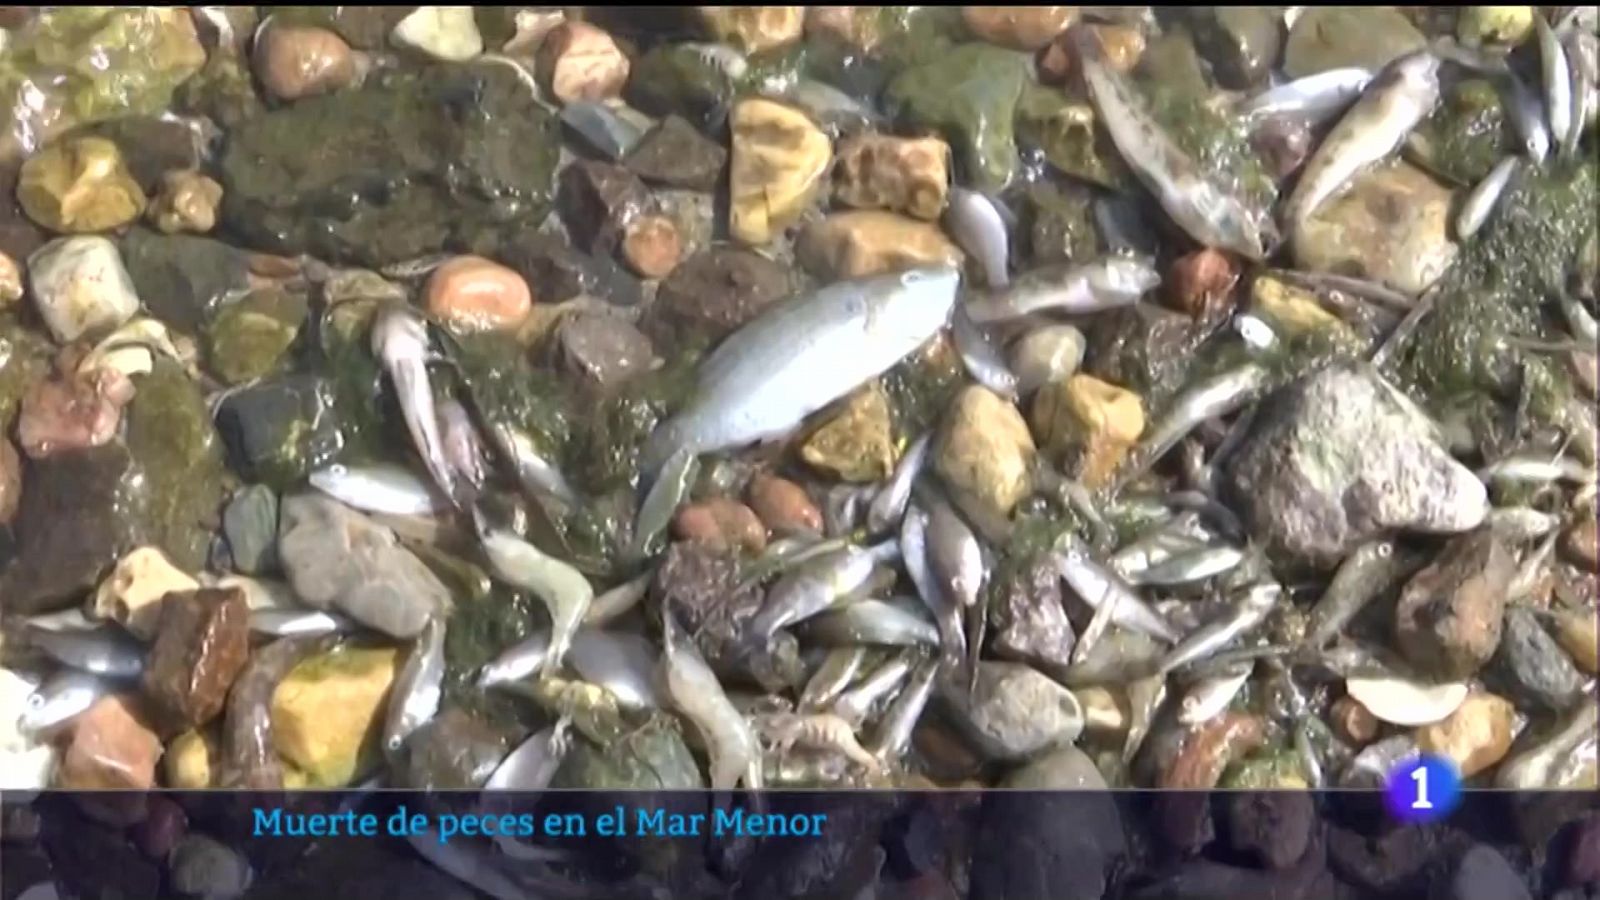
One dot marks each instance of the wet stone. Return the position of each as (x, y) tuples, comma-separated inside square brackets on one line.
[(1015, 712), (201, 645), (906, 175), (1333, 37), (855, 444), (72, 412), (968, 95), (678, 80), (187, 201), (1448, 620), (453, 751), (984, 451), (703, 588), (712, 293), (1530, 667), (1242, 42), (652, 246), (80, 287), (779, 158), (720, 524), (603, 351), (1393, 225), (579, 62), (111, 748), (470, 293), (337, 558), (1475, 737), (675, 154), (279, 430), (249, 338), (183, 279), (654, 758), (865, 242), (445, 33), (79, 186), (1028, 622), (561, 272), (1018, 27), (131, 595), (327, 714), (204, 867), (1482, 874), (1057, 769), (783, 506), (301, 61), (1060, 223), (598, 201), (1273, 827), (150, 146)]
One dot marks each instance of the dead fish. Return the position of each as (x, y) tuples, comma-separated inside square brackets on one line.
[(521, 660), (893, 736), (1107, 283), (1314, 98), (1219, 395), (1557, 75), (534, 470), (875, 622), (1364, 574), (982, 359), (1527, 117), (1209, 696), (944, 606), (300, 622), (1399, 97), (972, 219), (1095, 584), (1521, 523), (463, 448), (414, 697), (1584, 91), (816, 585), (379, 488), (841, 509), (621, 662), (661, 501), (954, 554), (1245, 614), (835, 673), (107, 652), (696, 693), (533, 764), (1209, 214), (61, 698), (858, 702), (1533, 768), (1529, 467), (1583, 323), (889, 505), (1484, 195), (801, 355), (617, 601), (564, 591), (1188, 568), (400, 340)]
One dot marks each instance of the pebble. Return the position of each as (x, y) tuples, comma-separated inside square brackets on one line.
[(1057, 769), (446, 33), (1334, 37), (706, 589), (1476, 736), (202, 643), (295, 61), (1392, 225), (1018, 27), (1575, 630), (10, 280), (1505, 25), (603, 350), (206, 868), (1284, 144), (783, 506), (720, 524), (864, 242), (1450, 615), (1014, 711), (1028, 621), (578, 61), (651, 246), (80, 287), (1274, 827), (1581, 543), (1292, 310), (79, 186), (10, 481), (712, 293), (192, 761), (187, 201), (1201, 283), (26, 764), (1483, 874), (1122, 46), (903, 175), (598, 201), (1353, 722), (856, 443), (984, 450), (1530, 667), (473, 294), (58, 415), (674, 153), (1047, 354), (337, 558), (110, 748), (164, 825), (131, 595), (250, 523), (1095, 422), (753, 29), (326, 713), (779, 158)]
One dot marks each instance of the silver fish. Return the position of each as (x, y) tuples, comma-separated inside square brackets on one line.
[(400, 340), (857, 703), (1209, 214), (875, 622), (1583, 90), (1189, 568), (463, 448), (621, 662), (1521, 523), (946, 609), (1314, 98), (108, 652), (835, 673), (972, 219), (1582, 322), (1533, 768), (379, 488), (1527, 117), (1557, 75), (1538, 469), (617, 601), (1107, 283), (1364, 574), (801, 355), (521, 660), (662, 500), (1484, 195), (565, 592), (414, 697), (890, 503), (954, 554), (300, 622), (60, 699), (1219, 395), (1095, 584), (815, 585), (1245, 614), (1211, 695), (893, 736), (696, 693), (1401, 95), (982, 359), (533, 764)]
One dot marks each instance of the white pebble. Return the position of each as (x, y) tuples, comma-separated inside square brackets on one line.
[(80, 286), (448, 33)]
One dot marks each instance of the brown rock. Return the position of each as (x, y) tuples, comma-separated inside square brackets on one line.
[(202, 644), (294, 61), (674, 153), (1030, 624), (753, 29), (470, 293), (187, 202), (131, 594), (73, 412), (1018, 27), (1122, 46), (783, 505), (712, 293), (602, 350), (598, 201), (868, 242), (10, 281), (1353, 722), (578, 61), (10, 480), (720, 524), (1582, 543), (903, 175), (110, 748), (1450, 615), (651, 246), (1201, 283), (1476, 736), (1210, 747)]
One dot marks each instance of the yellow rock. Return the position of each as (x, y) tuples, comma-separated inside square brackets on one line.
[(328, 712), (905, 175), (1292, 310), (131, 594), (985, 451), (187, 201), (754, 28), (79, 186), (1576, 633), (1097, 420), (870, 241), (1476, 736), (779, 157), (191, 761), (857, 444), (1507, 25)]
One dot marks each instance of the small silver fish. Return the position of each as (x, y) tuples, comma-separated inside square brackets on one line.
[(1189, 568), (414, 697), (1484, 195), (696, 693), (617, 601), (1527, 117), (60, 699), (379, 488), (1246, 613), (299, 622), (1557, 75), (1584, 88), (972, 219), (889, 506), (1363, 575), (982, 359), (954, 554), (1399, 97), (621, 662), (1521, 523), (1216, 396), (1212, 694), (1314, 98), (857, 703), (463, 448), (521, 660), (535, 471), (874, 622), (1537, 469), (1095, 584), (1582, 322), (400, 340), (565, 592), (108, 652), (815, 585), (835, 673), (945, 608), (1107, 283), (533, 764), (1532, 768), (893, 736)]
